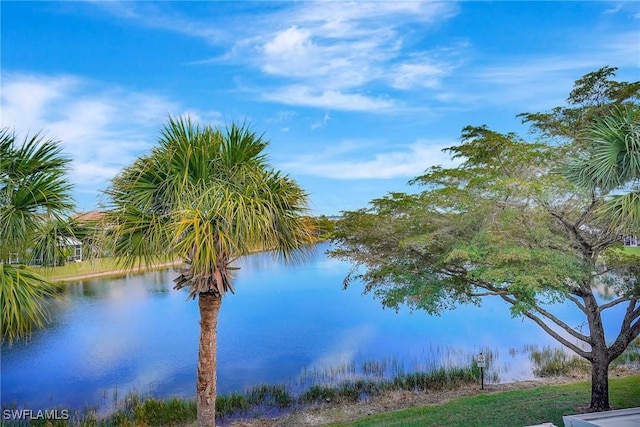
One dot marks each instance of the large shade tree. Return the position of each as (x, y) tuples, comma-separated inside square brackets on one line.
[(530, 223), (208, 196), (33, 192)]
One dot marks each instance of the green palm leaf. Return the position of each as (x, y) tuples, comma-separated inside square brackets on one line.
[(611, 168), (34, 195), (206, 195), (23, 295)]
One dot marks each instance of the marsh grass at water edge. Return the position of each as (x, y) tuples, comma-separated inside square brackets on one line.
[(509, 408), (136, 408)]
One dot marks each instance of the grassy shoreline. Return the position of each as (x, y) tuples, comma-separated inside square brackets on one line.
[(107, 267), (504, 405), (100, 267)]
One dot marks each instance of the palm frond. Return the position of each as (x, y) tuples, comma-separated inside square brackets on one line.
[(32, 184), (33, 191), (210, 196), (623, 211), (54, 235), (22, 298), (614, 158), (611, 168)]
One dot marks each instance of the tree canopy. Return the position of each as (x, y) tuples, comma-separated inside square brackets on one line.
[(532, 223)]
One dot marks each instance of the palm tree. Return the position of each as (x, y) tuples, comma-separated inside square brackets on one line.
[(611, 168), (32, 189), (208, 196), (51, 246)]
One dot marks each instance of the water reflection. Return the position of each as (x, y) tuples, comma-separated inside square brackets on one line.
[(284, 322)]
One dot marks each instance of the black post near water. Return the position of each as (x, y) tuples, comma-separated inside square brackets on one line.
[(481, 364)]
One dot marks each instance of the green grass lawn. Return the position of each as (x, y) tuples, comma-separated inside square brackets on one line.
[(99, 265), (511, 408), (632, 251)]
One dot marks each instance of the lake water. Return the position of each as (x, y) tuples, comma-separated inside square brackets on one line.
[(284, 324)]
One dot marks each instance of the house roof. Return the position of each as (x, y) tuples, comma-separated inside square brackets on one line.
[(88, 216)]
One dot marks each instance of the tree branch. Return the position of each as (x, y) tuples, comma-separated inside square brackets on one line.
[(587, 212), (605, 242), (503, 294), (635, 314), (611, 304), (562, 340), (628, 331), (604, 271), (570, 227), (563, 325), (577, 302)]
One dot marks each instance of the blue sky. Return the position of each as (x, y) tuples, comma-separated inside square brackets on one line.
[(356, 98)]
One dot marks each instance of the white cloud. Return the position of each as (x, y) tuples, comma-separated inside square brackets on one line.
[(101, 127), (299, 55), (335, 54), (613, 10), (292, 43), (550, 75), (358, 38), (317, 54), (321, 123), (623, 49), (411, 75), (409, 162), (24, 99), (92, 172), (328, 99), (343, 46), (150, 15), (213, 118)]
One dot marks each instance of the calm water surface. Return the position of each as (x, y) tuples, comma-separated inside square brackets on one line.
[(137, 333)]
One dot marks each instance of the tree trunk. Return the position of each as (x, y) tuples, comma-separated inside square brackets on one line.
[(209, 306), (599, 356), (599, 383)]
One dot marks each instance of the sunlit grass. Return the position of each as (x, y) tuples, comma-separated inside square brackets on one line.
[(93, 266), (631, 250), (510, 408)]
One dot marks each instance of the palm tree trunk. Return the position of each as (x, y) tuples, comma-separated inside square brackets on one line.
[(209, 305)]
